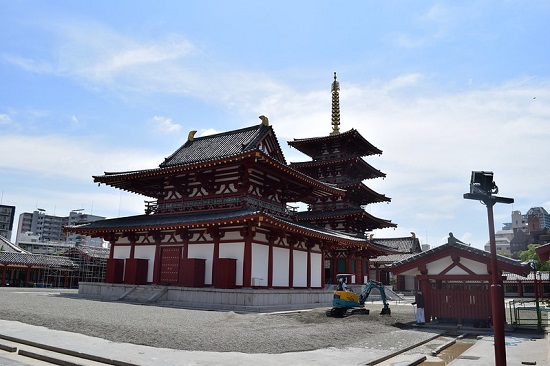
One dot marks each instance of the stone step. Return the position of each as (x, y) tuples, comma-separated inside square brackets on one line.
[(143, 294)]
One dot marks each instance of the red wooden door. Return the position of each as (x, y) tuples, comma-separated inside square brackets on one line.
[(169, 265)]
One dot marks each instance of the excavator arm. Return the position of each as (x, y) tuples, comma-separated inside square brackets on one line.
[(366, 292)]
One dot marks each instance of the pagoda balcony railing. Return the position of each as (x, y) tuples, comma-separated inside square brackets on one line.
[(218, 203), (332, 206), (203, 204), (273, 208)]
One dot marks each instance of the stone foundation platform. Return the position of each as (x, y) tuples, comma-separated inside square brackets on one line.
[(207, 298)]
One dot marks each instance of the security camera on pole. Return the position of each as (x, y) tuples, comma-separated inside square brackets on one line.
[(482, 188)]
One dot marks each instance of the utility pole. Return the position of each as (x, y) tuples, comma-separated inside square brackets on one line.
[(482, 188)]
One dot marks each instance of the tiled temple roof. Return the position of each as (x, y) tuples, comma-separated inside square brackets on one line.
[(8, 246), (36, 260), (204, 219), (343, 213), (455, 243), (89, 251), (351, 139), (407, 244), (213, 147)]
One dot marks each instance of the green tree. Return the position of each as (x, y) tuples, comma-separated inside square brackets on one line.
[(527, 255)]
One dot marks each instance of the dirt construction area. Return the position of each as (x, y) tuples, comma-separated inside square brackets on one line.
[(215, 331)]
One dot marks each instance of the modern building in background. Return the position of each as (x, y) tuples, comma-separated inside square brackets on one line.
[(530, 228), (502, 241), (538, 218), (41, 233), (7, 216)]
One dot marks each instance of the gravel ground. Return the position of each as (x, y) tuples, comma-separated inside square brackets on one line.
[(197, 330)]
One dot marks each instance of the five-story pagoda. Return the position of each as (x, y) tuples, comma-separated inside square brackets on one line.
[(337, 160)]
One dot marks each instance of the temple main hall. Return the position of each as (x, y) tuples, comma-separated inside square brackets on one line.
[(222, 213)]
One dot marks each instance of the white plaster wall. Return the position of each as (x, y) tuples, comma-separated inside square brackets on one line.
[(147, 252), (409, 283), (123, 240), (316, 269), (232, 235), (203, 251), (280, 266), (439, 265), (260, 237), (476, 267), (235, 251), (299, 269), (260, 258), (121, 252)]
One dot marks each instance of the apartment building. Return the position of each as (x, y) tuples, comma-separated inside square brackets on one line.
[(7, 216), (49, 228)]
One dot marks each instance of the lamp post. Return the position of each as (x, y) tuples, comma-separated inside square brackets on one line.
[(534, 268), (482, 188)]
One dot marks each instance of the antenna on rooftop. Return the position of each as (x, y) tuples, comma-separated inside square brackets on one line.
[(335, 107)]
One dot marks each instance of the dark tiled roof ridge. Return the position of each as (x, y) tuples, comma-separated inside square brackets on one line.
[(250, 136), (36, 260), (333, 137), (246, 213), (11, 246), (462, 247), (343, 212)]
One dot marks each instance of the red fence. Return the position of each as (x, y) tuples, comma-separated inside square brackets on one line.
[(460, 305)]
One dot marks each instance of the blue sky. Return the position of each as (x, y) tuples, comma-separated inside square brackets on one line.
[(442, 87)]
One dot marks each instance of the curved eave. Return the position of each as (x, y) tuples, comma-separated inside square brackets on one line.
[(35, 261), (342, 214), (365, 169), (257, 218), (362, 194), (310, 146), (149, 182)]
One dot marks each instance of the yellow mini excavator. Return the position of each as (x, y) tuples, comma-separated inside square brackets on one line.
[(346, 303)]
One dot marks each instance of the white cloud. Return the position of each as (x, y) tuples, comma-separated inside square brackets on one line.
[(70, 157), (5, 119), (165, 124)]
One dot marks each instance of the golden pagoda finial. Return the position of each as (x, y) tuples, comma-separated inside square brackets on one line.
[(335, 107)]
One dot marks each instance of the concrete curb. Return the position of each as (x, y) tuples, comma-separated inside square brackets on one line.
[(63, 351), (393, 354)]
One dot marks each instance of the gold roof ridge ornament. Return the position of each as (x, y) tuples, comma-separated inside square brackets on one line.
[(191, 135), (265, 120), (335, 107)]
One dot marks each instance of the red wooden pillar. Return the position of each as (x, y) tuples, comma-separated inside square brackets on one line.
[(247, 234), (271, 239), (157, 236), (184, 237), (132, 238), (27, 275), (520, 289), (215, 235), (291, 242), (334, 265), (308, 282), (426, 293), (322, 247), (111, 238), (4, 271)]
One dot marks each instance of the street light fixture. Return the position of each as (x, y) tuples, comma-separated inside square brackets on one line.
[(482, 188)]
